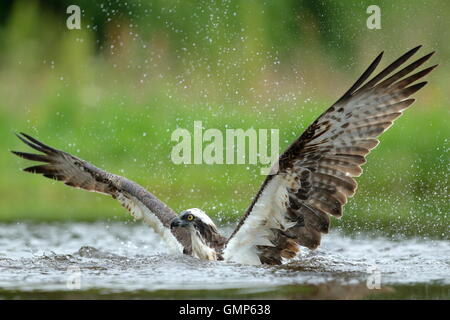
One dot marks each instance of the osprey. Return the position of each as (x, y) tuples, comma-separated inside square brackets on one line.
[(292, 208)]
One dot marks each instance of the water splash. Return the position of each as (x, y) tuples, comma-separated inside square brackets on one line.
[(119, 257)]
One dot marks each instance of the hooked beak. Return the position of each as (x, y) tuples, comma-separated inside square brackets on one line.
[(177, 222)]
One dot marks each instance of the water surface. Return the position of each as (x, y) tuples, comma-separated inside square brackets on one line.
[(127, 260)]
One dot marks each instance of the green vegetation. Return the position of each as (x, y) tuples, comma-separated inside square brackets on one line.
[(113, 92)]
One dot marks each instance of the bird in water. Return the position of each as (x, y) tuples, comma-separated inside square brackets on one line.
[(313, 179)]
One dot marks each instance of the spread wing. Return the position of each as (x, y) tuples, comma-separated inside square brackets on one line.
[(316, 172), (78, 173)]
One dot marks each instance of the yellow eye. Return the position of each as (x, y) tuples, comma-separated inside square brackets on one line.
[(190, 217)]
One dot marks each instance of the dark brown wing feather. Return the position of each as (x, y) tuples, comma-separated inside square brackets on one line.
[(79, 173), (318, 168)]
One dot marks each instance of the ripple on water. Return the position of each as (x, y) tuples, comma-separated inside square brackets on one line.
[(127, 257)]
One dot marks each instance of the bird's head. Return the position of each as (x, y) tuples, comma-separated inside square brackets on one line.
[(195, 220), (205, 238)]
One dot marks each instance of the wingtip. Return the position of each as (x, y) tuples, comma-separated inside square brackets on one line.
[(29, 169), (427, 56), (16, 153), (26, 135), (22, 135), (416, 48), (30, 142), (413, 51), (420, 85), (22, 138), (35, 144), (429, 69), (380, 55)]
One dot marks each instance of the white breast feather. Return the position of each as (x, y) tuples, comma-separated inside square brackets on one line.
[(200, 249), (267, 213), (139, 211)]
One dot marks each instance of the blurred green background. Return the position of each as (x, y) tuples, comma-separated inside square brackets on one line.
[(113, 92)]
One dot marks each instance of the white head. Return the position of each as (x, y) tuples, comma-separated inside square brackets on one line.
[(203, 232)]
